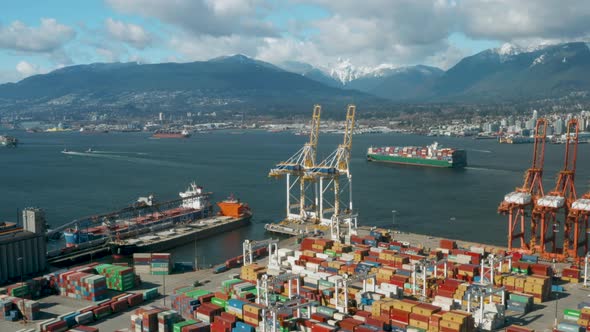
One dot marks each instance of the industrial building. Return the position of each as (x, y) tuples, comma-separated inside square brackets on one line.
[(23, 249)]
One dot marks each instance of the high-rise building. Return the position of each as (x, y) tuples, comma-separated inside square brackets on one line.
[(535, 115), (559, 127)]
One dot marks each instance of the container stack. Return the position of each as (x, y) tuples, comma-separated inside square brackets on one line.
[(167, 319), (235, 307), (119, 278), (252, 272), (571, 275), (252, 314), (185, 305), (521, 303), (145, 319), (28, 308), (161, 264), (79, 285), (223, 323), (19, 290), (142, 263), (242, 327)]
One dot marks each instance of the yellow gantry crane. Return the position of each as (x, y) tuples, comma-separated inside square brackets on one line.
[(333, 169), (296, 166)]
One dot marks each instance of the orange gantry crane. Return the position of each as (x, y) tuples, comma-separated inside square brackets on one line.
[(544, 222), (516, 203)]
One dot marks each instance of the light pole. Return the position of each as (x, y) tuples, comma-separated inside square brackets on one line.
[(556, 303), (22, 267)]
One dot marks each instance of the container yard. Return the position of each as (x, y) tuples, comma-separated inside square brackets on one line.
[(335, 276), (374, 282)]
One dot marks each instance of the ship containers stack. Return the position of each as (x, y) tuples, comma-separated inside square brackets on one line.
[(167, 319), (80, 285), (161, 264), (185, 305), (252, 314), (119, 278), (252, 272), (14, 308), (142, 263)]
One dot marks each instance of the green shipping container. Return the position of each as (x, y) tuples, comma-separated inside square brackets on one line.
[(178, 326), (219, 302), (572, 313), (197, 293), (521, 298)]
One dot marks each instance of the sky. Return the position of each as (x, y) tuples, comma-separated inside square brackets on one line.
[(40, 36)]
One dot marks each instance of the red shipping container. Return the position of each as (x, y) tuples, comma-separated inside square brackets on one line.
[(400, 315), (320, 327), (375, 322)]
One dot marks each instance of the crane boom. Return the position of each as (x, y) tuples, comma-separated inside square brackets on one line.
[(564, 186), (533, 178)]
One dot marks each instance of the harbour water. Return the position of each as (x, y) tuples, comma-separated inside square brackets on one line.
[(454, 203)]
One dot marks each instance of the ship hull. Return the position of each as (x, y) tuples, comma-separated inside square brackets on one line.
[(176, 241), (170, 136), (74, 238), (416, 161)]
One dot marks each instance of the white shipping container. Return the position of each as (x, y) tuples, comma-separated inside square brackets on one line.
[(444, 251), (479, 250), (376, 249), (388, 287), (301, 270), (283, 252), (338, 316), (312, 266), (298, 253), (322, 256), (359, 318), (346, 257)]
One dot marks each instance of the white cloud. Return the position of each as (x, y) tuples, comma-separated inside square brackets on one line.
[(132, 34), (26, 69), (48, 37), (397, 32), (203, 17), (206, 47)]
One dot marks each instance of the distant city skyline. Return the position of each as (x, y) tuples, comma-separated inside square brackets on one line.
[(37, 37)]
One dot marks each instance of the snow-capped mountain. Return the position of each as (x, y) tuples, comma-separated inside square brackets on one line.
[(344, 71)]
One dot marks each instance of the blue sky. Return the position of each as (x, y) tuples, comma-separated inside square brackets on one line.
[(40, 36)]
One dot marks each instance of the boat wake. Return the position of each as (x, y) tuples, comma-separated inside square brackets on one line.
[(121, 152), (126, 158), (477, 150), (487, 169)]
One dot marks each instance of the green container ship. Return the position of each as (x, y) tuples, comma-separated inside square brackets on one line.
[(432, 155)]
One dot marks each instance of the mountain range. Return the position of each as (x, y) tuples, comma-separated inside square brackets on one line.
[(502, 74)]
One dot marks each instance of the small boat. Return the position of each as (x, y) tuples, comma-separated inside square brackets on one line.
[(89, 150)]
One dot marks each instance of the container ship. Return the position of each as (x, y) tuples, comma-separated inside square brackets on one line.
[(193, 205), (432, 155), (8, 141), (232, 214), (171, 134)]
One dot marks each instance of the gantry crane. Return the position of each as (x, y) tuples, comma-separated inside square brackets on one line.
[(516, 203), (295, 166), (333, 169), (577, 220), (561, 198)]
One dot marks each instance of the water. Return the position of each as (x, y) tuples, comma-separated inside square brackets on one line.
[(445, 202)]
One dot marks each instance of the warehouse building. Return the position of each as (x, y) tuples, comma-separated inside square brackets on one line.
[(23, 250)]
